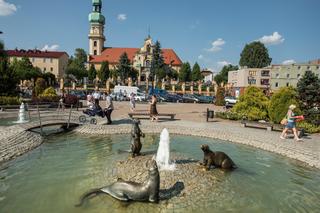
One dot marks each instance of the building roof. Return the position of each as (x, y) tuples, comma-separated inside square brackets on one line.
[(112, 55), (35, 53)]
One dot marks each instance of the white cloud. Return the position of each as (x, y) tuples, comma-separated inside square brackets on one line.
[(7, 8), (289, 61), (122, 17), (273, 39), (217, 45), (223, 63), (200, 57), (53, 47)]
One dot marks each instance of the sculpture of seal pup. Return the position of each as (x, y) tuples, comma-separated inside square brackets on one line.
[(136, 133), (216, 159), (128, 190)]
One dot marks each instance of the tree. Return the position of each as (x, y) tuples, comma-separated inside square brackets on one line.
[(77, 65), (185, 72), (220, 97), (308, 88), (24, 69), (104, 72), (222, 77), (196, 73), (8, 80), (255, 55), (92, 73), (253, 104), (124, 67), (157, 63), (280, 102), (40, 86)]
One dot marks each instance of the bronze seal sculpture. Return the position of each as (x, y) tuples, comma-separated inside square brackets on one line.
[(216, 159), (128, 190), (136, 133)]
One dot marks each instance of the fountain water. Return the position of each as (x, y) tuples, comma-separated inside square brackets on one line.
[(22, 115), (163, 153)]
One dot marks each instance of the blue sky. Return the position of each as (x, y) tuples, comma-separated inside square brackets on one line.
[(211, 32)]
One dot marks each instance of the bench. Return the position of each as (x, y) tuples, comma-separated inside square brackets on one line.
[(138, 114), (259, 125)]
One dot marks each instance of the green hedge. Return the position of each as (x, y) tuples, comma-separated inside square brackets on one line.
[(228, 115), (4, 100), (310, 128)]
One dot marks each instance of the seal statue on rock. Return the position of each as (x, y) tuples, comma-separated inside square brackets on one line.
[(216, 159), (128, 190), (136, 133)]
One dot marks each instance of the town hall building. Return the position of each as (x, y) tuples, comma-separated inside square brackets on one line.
[(140, 57)]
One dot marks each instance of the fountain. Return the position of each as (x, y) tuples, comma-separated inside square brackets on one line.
[(163, 153), (22, 115)]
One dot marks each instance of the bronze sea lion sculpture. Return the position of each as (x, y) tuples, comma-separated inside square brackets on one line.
[(128, 190), (136, 133), (216, 159)]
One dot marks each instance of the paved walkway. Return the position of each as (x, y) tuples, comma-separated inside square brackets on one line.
[(191, 121)]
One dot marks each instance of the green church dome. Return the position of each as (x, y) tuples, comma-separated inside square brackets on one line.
[(96, 2), (95, 17)]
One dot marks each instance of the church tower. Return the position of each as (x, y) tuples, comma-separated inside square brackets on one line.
[(96, 35)]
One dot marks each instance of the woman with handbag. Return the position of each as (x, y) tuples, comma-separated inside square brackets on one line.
[(290, 123)]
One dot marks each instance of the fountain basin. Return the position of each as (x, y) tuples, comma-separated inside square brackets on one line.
[(59, 171)]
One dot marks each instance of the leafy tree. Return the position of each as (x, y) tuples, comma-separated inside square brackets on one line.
[(222, 77), (196, 73), (50, 76), (92, 73), (185, 72), (77, 65), (220, 97), (40, 86), (309, 95), (157, 63), (124, 67), (104, 72), (253, 104), (8, 80), (255, 55), (24, 69), (280, 102)]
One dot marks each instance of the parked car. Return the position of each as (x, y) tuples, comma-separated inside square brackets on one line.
[(140, 97), (230, 101), (204, 99), (173, 98), (190, 98), (81, 95)]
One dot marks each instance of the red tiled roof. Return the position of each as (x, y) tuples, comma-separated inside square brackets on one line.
[(112, 55), (35, 53)]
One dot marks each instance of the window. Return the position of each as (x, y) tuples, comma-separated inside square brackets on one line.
[(252, 73), (264, 82), (44, 60), (44, 69), (95, 52), (317, 67), (308, 67), (95, 43), (299, 67), (298, 76), (51, 60), (51, 69), (251, 81), (265, 73), (288, 75), (288, 84), (277, 84), (277, 75)]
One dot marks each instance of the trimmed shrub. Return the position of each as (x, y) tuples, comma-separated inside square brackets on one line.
[(50, 91), (228, 115), (279, 103), (40, 86), (253, 104), (4, 100), (310, 128)]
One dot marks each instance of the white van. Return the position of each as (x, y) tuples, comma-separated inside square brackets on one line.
[(126, 90)]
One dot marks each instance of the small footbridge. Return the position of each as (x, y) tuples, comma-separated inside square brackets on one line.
[(39, 117)]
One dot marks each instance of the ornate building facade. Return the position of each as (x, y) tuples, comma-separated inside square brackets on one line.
[(140, 57)]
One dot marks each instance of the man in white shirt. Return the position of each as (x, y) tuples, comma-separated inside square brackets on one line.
[(96, 95), (109, 108)]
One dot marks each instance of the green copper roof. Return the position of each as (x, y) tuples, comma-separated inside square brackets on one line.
[(96, 2), (95, 17)]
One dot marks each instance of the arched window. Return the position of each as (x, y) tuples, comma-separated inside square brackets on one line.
[(95, 52), (95, 43), (147, 63)]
